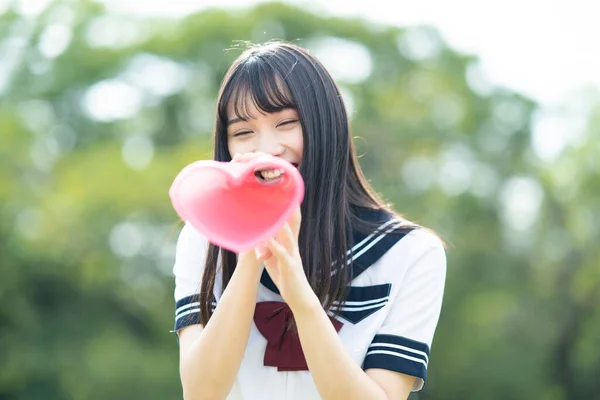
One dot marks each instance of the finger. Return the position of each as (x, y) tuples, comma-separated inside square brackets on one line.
[(288, 240), (236, 157), (295, 222), (280, 252), (272, 269), (262, 253)]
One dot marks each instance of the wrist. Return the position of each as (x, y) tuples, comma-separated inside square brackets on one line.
[(249, 266), (307, 306)]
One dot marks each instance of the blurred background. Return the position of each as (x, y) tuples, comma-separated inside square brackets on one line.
[(478, 120)]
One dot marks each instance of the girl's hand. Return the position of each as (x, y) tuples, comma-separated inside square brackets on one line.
[(281, 257), (248, 259)]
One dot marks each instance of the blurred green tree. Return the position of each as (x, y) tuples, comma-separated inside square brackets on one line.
[(100, 111)]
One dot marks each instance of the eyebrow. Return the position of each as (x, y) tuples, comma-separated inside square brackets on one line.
[(236, 120)]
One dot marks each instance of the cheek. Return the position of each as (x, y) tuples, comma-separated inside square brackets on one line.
[(298, 142), (241, 147)]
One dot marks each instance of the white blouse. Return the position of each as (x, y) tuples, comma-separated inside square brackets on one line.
[(389, 317)]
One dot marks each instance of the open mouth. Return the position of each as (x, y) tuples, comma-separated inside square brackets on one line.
[(269, 176)]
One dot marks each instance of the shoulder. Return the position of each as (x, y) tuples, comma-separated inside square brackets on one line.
[(190, 236), (190, 241), (420, 251), (190, 254), (407, 233), (417, 242)]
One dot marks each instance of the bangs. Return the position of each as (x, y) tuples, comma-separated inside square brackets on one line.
[(256, 84)]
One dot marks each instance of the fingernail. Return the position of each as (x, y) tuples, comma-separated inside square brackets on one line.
[(260, 251)]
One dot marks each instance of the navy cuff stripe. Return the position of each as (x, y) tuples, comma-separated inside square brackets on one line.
[(186, 301), (401, 341), (185, 308), (189, 319), (187, 311), (398, 353), (394, 362)]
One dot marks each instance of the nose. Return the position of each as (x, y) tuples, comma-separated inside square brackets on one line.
[(269, 144)]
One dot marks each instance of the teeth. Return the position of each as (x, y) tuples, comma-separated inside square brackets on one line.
[(271, 174)]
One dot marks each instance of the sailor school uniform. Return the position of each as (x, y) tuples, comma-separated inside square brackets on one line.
[(388, 320)]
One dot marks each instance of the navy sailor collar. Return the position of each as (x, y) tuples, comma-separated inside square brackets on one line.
[(365, 249)]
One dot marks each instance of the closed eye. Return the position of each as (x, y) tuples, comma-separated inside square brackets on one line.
[(291, 121), (241, 133)]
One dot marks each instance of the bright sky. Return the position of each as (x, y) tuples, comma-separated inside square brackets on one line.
[(543, 48)]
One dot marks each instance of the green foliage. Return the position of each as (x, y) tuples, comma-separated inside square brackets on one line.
[(87, 229)]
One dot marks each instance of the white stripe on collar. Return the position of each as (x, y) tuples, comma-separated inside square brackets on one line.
[(396, 224), (365, 240), (370, 241)]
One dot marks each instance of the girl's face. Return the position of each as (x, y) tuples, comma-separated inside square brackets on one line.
[(278, 134)]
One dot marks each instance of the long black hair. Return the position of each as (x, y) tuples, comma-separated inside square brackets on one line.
[(281, 75)]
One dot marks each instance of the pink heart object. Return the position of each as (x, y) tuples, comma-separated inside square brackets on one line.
[(231, 206)]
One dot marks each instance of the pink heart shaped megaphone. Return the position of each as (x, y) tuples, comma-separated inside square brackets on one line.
[(231, 205)]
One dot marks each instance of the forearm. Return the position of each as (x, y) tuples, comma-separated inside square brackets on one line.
[(209, 369), (335, 374)]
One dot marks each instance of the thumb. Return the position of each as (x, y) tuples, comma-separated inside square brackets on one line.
[(262, 253)]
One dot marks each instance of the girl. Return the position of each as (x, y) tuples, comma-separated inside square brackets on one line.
[(342, 305)]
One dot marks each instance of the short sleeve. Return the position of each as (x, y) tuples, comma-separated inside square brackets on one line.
[(403, 342), (190, 258)]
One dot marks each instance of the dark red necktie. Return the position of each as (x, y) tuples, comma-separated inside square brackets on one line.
[(283, 345)]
